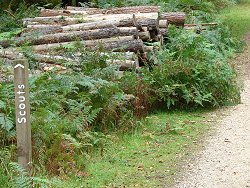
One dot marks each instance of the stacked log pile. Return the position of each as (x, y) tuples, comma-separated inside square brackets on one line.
[(124, 30)]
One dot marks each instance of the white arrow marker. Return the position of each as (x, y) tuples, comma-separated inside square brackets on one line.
[(19, 65)]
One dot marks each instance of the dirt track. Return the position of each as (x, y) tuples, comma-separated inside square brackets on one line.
[(225, 160)]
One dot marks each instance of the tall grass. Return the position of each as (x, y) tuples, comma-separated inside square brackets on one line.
[(237, 18)]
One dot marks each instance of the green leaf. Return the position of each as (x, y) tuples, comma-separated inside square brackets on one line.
[(5, 122)]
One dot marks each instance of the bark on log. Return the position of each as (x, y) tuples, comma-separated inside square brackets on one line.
[(53, 59), (151, 24), (11, 54), (99, 17), (41, 31), (54, 20), (42, 26), (123, 64), (101, 24), (86, 11), (49, 29), (134, 9), (202, 24), (120, 55), (81, 8), (175, 18), (118, 44), (73, 36), (65, 20), (123, 46), (123, 10)]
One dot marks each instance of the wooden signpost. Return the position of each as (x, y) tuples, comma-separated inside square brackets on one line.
[(23, 127)]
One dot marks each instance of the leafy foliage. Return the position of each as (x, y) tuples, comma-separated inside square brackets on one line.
[(193, 69), (6, 113), (11, 20)]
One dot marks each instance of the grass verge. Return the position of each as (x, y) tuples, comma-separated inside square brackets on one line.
[(237, 18), (147, 158)]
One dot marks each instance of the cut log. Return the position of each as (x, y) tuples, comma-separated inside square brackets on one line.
[(151, 24), (133, 9), (47, 29), (73, 36), (99, 17), (175, 18), (163, 23), (123, 64), (119, 55), (202, 24), (123, 10), (40, 26), (53, 59), (41, 31), (59, 68), (101, 24), (90, 11), (11, 54), (65, 20), (58, 20), (123, 46), (118, 44), (81, 8)]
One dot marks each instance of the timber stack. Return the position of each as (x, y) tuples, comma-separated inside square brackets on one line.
[(130, 32)]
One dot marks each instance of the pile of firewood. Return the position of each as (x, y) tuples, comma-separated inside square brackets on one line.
[(127, 31)]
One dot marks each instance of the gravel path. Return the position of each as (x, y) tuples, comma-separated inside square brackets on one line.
[(225, 160)]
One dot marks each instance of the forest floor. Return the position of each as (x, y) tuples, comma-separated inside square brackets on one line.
[(224, 161)]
